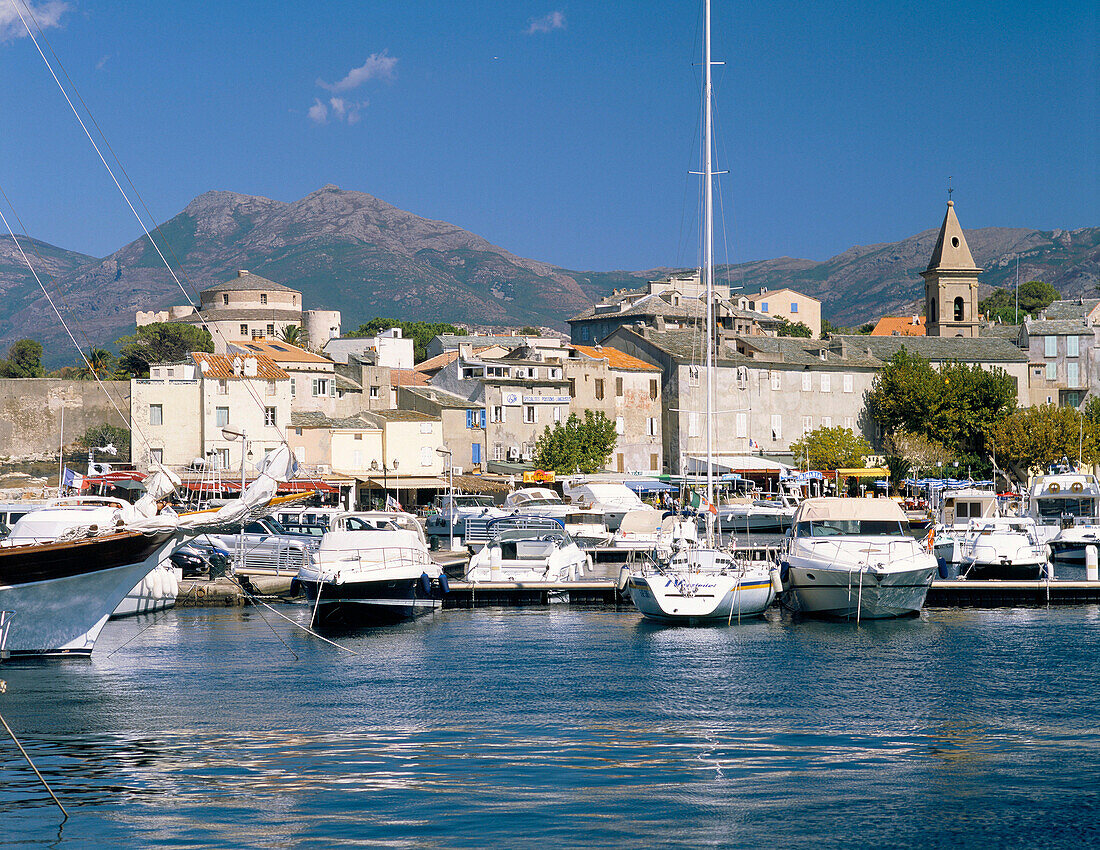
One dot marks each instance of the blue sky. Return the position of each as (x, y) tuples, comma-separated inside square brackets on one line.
[(564, 132)]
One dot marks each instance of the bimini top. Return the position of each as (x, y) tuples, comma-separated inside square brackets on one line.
[(825, 508)]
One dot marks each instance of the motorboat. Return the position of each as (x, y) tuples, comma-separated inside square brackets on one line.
[(755, 514), (853, 559), (263, 547), (611, 499), (585, 525), (372, 568), (1066, 507), (67, 566), (956, 512), (639, 531), (1005, 548), (453, 511), (528, 548)]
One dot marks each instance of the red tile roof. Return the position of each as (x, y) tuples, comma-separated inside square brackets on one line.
[(616, 359), (903, 325), (407, 378), (221, 366)]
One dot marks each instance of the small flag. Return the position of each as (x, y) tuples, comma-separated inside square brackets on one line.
[(753, 445), (392, 504), (701, 502), (72, 480)]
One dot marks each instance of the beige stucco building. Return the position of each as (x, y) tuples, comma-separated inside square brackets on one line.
[(182, 410), (788, 304)]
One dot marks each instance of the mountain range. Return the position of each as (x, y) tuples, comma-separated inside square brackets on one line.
[(356, 253)]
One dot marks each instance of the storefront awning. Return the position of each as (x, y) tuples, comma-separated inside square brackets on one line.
[(648, 485), (404, 482)]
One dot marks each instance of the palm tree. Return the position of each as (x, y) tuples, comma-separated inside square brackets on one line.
[(101, 363), (294, 335)]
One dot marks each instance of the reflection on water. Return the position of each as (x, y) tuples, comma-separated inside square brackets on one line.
[(564, 727)]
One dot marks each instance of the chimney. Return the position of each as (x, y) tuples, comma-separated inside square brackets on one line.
[(250, 367), (242, 272)]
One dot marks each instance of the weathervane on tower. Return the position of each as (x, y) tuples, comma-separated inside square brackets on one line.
[(949, 189)]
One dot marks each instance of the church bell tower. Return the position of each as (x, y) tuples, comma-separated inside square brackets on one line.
[(951, 283)]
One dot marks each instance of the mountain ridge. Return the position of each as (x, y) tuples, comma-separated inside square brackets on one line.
[(357, 253)]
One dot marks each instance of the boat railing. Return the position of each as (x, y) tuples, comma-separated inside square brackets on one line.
[(287, 556), (383, 557), (839, 548)]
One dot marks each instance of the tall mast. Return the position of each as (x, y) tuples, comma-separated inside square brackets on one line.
[(708, 266)]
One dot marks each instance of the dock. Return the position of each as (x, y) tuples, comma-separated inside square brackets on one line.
[(597, 590)]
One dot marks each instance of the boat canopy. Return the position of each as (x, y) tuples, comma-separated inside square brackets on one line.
[(849, 509), (645, 521)]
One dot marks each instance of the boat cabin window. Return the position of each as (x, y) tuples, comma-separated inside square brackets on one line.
[(963, 510), (861, 527), (1055, 508)]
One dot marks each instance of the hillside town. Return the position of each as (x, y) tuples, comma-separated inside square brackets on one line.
[(367, 420)]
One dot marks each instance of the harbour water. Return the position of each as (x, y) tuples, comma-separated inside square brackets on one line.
[(563, 727)]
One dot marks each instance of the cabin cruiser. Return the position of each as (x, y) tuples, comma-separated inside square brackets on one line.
[(1066, 507), (753, 514), (263, 547), (528, 548), (372, 568), (853, 558), (453, 511), (957, 510), (1006, 548), (639, 531), (609, 498), (585, 525), (66, 566)]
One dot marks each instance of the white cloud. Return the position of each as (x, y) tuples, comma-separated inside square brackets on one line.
[(318, 113), (46, 14), (379, 66), (102, 62), (547, 23)]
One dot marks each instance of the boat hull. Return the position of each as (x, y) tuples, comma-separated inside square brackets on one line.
[(710, 599), (851, 594), (997, 571), (63, 593), (753, 523), (156, 592), (375, 602)]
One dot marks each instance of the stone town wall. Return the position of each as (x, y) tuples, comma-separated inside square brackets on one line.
[(30, 413)]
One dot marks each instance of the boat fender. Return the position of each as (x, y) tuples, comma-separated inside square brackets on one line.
[(624, 578), (1054, 487), (784, 571), (777, 582), (444, 584), (200, 591), (425, 584), (588, 564), (1077, 487), (942, 568), (295, 588)]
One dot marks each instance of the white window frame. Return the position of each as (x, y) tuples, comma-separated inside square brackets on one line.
[(826, 382), (1050, 346), (156, 455), (849, 384), (270, 417), (807, 382), (826, 422), (156, 414), (620, 425), (221, 417), (777, 427), (1072, 373), (807, 425), (741, 425), (1073, 346), (1052, 371), (498, 415), (651, 426), (776, 379), (530, 414)]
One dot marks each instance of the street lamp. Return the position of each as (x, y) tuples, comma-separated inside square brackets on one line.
[(232, 435), (443, 450)]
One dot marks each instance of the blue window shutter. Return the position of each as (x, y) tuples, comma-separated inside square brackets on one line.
[(469, 419), (475, 454), (482, 418)]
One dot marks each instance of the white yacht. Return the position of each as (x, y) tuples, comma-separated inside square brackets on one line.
[(700, 583), (453, 511), (610, 498), (639, 531), (528, 548), (372, 568), (853, 558), (1066, 506), (957, 509), (584, 524), (1006, 548)]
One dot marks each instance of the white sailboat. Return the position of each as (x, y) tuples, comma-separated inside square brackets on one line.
[(701, 583)]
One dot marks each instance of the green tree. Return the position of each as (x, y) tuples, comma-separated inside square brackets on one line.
[(106, 435), (1032, 438), (799, 329), (924, 456), (421, 333), (24, 360), (1092, 410), (1035, 295), (832, 448), (160, 342), (956, 405), (585, 444), (530, 330)]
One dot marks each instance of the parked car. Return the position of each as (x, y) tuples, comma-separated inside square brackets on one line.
[(267, 548), (200, 559)]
